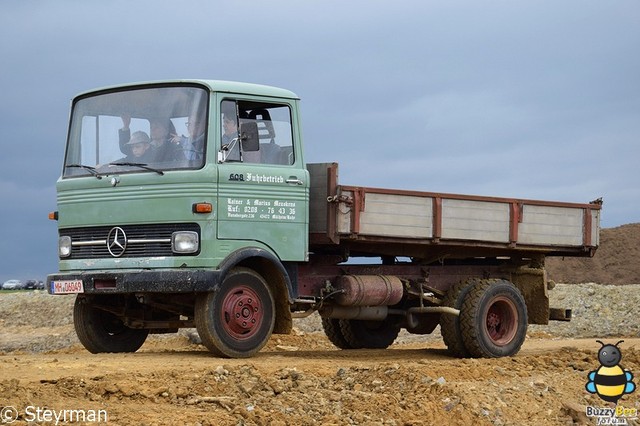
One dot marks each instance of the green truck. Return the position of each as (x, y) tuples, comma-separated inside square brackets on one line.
[(188, 203)]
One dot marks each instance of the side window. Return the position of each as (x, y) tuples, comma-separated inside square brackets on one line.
[(275, 132)]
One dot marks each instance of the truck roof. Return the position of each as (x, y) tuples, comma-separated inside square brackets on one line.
[(213, 85)]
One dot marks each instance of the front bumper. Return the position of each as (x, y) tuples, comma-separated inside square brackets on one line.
[(141, 281)]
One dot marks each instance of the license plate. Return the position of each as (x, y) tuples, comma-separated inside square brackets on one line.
[(67, 287)]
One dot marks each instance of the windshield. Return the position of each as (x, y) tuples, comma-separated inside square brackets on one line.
[(161, 128)]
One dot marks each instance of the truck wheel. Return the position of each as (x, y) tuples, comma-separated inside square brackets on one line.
[(101, 331), (369, 334), (493, 319), (331, 327), (236, 320), (450, 324)]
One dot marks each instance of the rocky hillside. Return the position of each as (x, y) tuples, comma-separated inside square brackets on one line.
[(617, 260)]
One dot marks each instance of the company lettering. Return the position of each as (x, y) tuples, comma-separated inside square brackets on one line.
[(263, 178)]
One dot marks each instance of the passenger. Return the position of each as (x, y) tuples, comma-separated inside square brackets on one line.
[(141, 149), (162, 133), (229, 128), (193, 145), (230, 132), (124, 135)]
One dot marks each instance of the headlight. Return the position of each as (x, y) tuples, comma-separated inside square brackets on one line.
[(64, 246), (185, 242)]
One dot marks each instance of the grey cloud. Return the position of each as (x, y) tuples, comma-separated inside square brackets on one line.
[(536, 99)]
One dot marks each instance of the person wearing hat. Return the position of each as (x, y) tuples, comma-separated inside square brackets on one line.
[(141, 150), (162, 131)]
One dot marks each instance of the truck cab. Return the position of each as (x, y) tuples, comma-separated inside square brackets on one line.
[(222, 185)]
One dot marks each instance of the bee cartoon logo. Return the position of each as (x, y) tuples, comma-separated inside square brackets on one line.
[(610, 382)]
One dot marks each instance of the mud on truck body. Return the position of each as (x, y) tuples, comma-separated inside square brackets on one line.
[(236, 235)]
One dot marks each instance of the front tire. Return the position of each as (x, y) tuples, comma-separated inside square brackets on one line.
[(493, 320), (101, 331), (236, 320)]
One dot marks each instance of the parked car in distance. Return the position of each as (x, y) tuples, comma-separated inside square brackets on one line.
[(12, 285), (30, 285)]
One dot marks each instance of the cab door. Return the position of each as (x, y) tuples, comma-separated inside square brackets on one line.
[(263, 189)]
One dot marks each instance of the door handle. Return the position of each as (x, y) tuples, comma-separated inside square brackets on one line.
[(294, 180)]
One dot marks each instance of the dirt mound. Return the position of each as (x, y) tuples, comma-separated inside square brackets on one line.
[(615, 262)]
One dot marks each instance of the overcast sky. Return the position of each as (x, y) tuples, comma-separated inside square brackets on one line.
[(530, 99)]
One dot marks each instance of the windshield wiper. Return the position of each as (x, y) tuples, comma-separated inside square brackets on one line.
[(90, 169), (141, 165)]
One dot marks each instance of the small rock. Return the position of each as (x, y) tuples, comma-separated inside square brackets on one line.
[(577, 412), (539, 384), (287, 348)]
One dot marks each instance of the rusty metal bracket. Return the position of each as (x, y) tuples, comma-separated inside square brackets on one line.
[(340, 199)]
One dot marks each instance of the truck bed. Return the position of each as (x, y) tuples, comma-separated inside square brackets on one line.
[(360, 221)]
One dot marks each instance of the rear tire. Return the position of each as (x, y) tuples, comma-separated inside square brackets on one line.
[(369, 334), (101, 331), (450, 324), (331, 327), (493, 320), (236, 320)]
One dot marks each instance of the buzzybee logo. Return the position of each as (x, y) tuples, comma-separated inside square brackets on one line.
[(611, 380)]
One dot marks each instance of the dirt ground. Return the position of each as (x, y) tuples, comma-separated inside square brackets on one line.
[(302, 379)]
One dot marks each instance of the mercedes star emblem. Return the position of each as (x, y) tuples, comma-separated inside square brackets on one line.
[(116, 241)]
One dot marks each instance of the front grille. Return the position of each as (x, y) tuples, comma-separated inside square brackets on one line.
[(142, 240)]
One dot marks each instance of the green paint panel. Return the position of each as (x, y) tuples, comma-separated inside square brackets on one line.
[(257, 203)]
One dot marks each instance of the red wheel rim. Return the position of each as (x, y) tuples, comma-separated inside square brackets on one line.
[(501, 321), (242, 312)]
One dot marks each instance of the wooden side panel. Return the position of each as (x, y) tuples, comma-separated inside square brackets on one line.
[(475, 220), (401, 216), (424, 224), (548, 225)]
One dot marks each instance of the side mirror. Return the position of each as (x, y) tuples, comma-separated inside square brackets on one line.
[(249, 136)]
